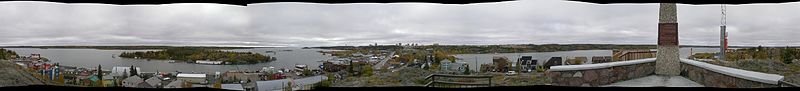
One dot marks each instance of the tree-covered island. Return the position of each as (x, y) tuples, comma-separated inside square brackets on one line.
[(194, 54)]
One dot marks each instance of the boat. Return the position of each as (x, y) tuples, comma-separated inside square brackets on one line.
[(171, 61), (306, 48), (300, 66), (286, 50), (208, 62)]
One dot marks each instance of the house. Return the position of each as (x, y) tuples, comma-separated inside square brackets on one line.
[(132, 81), (193, 78), (501, 62), (527, 63), (144, 85), (154, 82), (458, 67), (554, 61), (176, 84), (240, 76), (232, 87), (109, 81), (123, 71)]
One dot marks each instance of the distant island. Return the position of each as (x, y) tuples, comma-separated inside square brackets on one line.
[(128, 47), (194, 54), (7, 54)]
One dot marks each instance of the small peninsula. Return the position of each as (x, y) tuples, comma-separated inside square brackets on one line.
[(194, 54)]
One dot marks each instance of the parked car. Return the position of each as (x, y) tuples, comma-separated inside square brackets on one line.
[(511, 73)]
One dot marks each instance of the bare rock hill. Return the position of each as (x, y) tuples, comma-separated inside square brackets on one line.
[(13, 75)]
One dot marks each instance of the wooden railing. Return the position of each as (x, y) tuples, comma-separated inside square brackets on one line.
[(439, 83), (783, 83)]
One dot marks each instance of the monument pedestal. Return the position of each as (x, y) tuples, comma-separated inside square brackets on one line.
[(667, 59)]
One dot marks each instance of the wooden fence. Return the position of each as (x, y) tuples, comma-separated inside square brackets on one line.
[(452, 84)]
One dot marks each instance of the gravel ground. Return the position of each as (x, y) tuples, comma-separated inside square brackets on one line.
[(12, 75)]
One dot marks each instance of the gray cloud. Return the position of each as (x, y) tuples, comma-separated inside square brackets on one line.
[(308, 24)]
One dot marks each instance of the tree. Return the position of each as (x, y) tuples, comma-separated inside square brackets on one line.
[(100, 73), (788, 55), (133, 71)]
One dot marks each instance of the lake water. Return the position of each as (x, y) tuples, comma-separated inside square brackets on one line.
[(285, 59), (94, 57)]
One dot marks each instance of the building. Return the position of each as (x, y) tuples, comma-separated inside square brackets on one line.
[(457, 67), (554, 61), (132, 81), (623, 55), (176, 84), (232, 87), (109, 81), (154, 82), (144, 85), (193, 78), (526, 63), (501, 63), (240, 76), (123, 71)]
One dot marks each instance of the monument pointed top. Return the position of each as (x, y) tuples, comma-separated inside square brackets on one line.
[(667, 13)]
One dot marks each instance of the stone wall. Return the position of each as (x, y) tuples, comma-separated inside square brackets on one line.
[(715, 79), (601, 76)]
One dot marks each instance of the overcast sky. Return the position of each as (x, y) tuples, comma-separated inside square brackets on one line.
[(310, 24)]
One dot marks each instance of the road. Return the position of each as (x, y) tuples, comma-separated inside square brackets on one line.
[(383, 62)]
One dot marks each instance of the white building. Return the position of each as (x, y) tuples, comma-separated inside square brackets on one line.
[(193, 78)]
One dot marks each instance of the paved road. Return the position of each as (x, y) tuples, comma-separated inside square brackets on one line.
[(383, 62)]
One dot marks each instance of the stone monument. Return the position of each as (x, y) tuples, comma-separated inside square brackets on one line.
[(667, 60)]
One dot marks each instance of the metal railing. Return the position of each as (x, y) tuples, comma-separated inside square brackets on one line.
[(449, 84)]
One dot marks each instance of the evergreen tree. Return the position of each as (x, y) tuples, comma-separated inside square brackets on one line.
[(100, 74), (788, 55), (133, 71)]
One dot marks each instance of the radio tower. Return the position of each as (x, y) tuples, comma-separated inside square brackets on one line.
[(723, 35)]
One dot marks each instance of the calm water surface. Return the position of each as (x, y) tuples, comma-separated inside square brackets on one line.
[(94, 57)]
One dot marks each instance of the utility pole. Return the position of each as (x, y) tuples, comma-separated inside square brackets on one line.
[(723, 40)]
